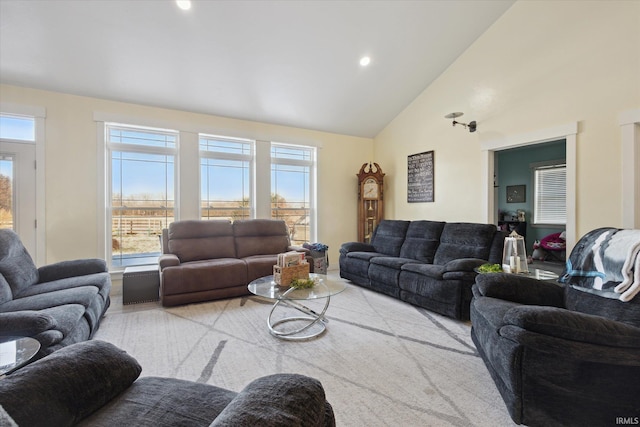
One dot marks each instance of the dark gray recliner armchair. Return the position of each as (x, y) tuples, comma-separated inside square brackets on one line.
[(57, 304), (562, 355), (96, 384)]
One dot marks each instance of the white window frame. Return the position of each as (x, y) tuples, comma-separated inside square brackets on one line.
[(109, 148), (312, 165), (250, 158), (187, 177), (547, 218)]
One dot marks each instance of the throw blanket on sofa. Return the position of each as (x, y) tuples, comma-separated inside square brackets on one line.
[(606, 261)]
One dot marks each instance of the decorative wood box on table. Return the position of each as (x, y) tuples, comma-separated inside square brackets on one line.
[(291, 265)]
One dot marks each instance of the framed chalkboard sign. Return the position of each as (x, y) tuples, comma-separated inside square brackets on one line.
[(420, 177)]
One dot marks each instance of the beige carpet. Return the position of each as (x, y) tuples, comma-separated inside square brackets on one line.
[(382, 362)]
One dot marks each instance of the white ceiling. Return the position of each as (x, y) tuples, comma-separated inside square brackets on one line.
[(292, 63)]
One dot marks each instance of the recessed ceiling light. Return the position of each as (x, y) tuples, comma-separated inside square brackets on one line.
[(184, 4), (365, 60)]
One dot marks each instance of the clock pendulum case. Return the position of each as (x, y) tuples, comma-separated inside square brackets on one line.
[(370, 200)]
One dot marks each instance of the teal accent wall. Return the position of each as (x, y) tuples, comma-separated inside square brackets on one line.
[(514, 168)]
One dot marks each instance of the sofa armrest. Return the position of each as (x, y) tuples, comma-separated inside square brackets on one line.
[(168, 260), (520, 289), (574, 326), (356, 247), (280, 399), (25, 323), (67, 385), (464, 264), (73, 268)]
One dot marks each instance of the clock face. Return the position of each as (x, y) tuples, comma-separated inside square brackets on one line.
[(370, 189)]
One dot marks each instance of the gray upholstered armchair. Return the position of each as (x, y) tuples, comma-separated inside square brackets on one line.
[(57, 304), (563, 355)]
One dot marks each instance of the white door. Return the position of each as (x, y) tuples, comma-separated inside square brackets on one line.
[(18, 191)]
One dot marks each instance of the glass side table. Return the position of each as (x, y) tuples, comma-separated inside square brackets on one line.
[(325, 288), (17, 352)]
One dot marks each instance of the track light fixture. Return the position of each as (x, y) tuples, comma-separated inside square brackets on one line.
[(472, 126)]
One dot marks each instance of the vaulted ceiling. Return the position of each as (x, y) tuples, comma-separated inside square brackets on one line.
[(293, 63)]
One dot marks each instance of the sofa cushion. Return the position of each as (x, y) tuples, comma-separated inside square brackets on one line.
[(389, 236), (198, 240), (206, 275), (570, 325), (69, 384), (6, 294), (260, 237), (260, 266), (614, 309), (277, 400), (25, 323), (48, 326), (72, 268), (364, 256), (83, 296), (158, 402), (16, 265), (464, 240), (493, 310), (431, 270), (392, 262), (422, 240), (102, 281)]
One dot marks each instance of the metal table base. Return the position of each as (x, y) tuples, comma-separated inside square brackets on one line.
[(312, 319)]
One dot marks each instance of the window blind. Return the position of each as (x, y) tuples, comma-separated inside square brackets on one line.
[(550, 196)]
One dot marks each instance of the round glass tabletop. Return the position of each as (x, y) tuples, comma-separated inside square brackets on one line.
[(16, 352), (266, 287)]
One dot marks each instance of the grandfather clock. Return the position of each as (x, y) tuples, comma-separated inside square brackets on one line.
[(370, 200)]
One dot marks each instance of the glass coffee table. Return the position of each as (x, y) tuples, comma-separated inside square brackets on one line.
[(325, 288), (16, 352)]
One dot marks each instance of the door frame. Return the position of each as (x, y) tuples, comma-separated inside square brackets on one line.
[(39, 115), (568, 132), (630, 134)]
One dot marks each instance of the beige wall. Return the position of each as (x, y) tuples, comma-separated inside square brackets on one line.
[(71, 162), (541, 65)]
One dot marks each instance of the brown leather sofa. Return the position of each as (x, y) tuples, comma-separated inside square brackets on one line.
[(205, 260)]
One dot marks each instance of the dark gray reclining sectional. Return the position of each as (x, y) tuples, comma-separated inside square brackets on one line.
[(426, 263), (58, 304), (561, 355), (96, 384)]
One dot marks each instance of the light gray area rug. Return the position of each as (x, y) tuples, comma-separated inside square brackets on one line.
[(382, 362)]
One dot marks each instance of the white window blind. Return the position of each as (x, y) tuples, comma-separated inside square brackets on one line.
[(550, 196)]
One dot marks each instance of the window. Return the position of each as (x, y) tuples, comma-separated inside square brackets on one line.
[(18, 128), (22, 142), (142, 202), (550, 194), (7, 191), (292, 184), (226, 171), (13, 128)]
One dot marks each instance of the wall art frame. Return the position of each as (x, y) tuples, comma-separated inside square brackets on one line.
[(420, 177), (516, 193)]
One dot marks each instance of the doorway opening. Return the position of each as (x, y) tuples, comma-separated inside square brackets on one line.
[(530, 197), (566, 133)]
